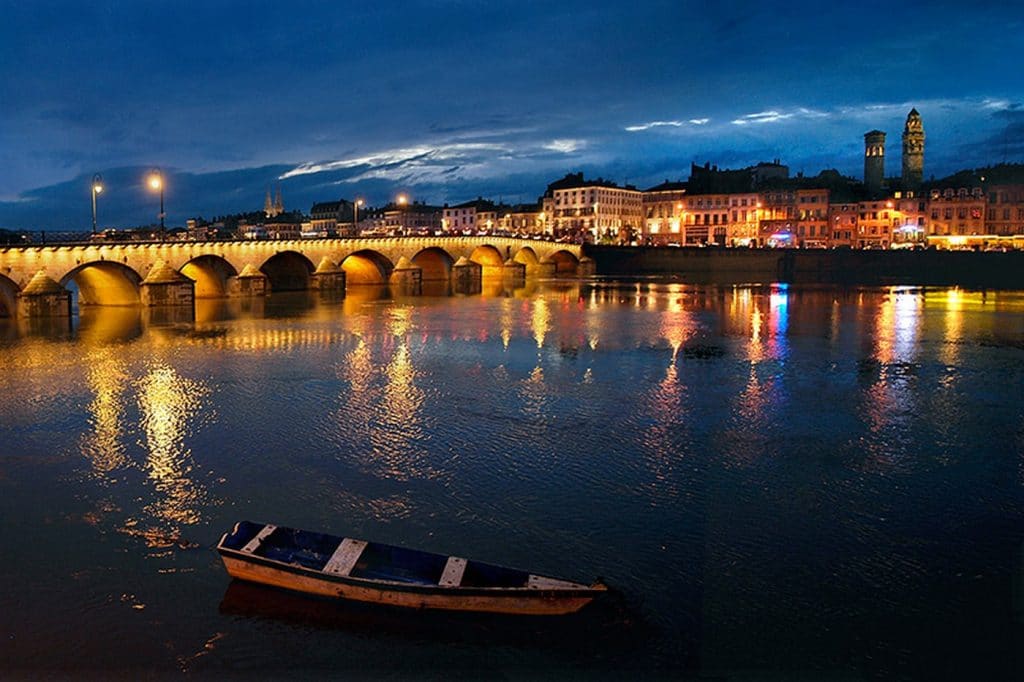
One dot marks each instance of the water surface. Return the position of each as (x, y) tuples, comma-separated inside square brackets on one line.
[(778, 481)]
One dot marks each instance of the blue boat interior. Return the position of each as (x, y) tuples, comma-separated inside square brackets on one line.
[(378, 561)]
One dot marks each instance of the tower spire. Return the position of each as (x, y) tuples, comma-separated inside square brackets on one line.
[(913, 151)]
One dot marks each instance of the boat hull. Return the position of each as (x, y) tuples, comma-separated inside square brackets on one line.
[(526, 601)]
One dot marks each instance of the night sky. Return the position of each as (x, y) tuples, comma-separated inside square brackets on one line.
[(448, 100)]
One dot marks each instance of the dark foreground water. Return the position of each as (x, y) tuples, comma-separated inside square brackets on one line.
[(779, 483)]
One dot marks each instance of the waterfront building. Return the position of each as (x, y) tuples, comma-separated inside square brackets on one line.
[(664, 207), (324, 218), (955, 214), (1004, 213), (547, 212), (874, 161), (332, 219), (524, 219), (842, 218), (874, 224), (597, 210), (913, 151), (721, 219), (909, 218), (279, 230), (777, 216), (812, 223), (407, 219), (470, 217)]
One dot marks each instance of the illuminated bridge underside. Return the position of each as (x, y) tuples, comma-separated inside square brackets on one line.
[(111, 274)]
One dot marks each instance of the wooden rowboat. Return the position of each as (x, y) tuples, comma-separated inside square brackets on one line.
[(346, 568)]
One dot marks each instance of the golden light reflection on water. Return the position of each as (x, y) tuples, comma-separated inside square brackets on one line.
[(108, 379), (384, 402), (540, 320), (954, 323), (507, 323), (169, 404), (676, 328)]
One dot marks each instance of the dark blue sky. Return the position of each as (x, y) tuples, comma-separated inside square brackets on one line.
[(451, 99)]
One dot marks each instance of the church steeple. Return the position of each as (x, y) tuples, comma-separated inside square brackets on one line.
[(913, 151), (273, 207)]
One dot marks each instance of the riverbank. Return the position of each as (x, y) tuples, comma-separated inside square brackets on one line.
[(810, 266)]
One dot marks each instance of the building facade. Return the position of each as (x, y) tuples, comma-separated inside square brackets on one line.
[(812, 224), (664, 207), (955, 213), (597, 210)]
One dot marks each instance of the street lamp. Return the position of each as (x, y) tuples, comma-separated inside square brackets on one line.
[(355, 216), (156, 183), (97, 187), (401, 200)]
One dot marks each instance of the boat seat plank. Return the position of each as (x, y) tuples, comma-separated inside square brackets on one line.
[(345, 557), (539, 582), (453, 571), (251, 546)]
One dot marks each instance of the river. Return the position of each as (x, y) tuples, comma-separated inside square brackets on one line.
[(777, 481)]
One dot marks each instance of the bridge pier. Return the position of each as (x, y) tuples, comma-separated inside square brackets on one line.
[(249, 283), (328, 278), (514, 273), (467, 277), (165, 286), (546, 268), (408, 278), (43, 297)]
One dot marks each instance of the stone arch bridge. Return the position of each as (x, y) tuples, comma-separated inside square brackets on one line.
[(37, 280)]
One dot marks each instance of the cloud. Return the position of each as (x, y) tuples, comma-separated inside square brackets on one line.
[(410, 156), (565, 146), (666, 124), (761, 117)]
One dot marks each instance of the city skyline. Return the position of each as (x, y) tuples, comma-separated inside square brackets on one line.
[(451, 101)]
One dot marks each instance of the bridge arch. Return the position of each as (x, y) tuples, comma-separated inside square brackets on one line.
[(488, 257), (528, 257), (366, 267), (436, 264), (104, 282), (565, 262), (288, 271), (210, 274), (8, 297)]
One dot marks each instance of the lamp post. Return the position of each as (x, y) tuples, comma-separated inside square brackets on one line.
[(355, 216), (97, 187), (401, 200), (156, 182)]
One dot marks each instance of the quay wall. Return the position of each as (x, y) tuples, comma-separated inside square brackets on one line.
[(1003, 270)]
